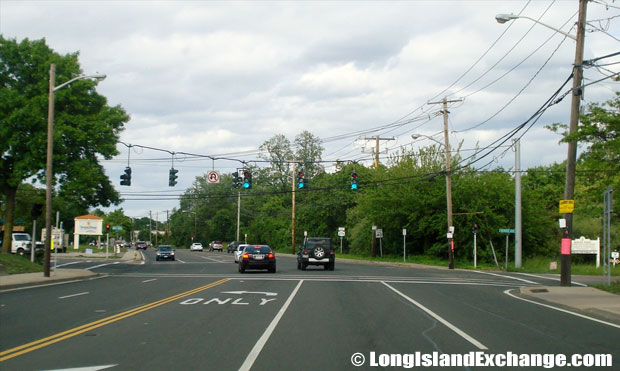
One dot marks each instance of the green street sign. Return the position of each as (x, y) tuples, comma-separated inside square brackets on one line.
[(506, 231)]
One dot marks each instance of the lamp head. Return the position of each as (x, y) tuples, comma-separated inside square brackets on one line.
[(503, 18), (99, 76)]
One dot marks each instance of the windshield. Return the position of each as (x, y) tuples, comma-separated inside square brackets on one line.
[(21, 237), (165, 248), (261, 249)]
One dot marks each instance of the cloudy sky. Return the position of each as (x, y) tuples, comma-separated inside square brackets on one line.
[(221, 78)]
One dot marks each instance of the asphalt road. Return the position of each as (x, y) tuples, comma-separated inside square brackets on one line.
[(199, 313)]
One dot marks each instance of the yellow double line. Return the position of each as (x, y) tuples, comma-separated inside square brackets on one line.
[(26, 348)]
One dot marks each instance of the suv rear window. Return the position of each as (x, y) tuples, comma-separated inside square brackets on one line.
[(325, 243)]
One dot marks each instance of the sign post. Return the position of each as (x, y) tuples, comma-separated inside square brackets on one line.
[(508, 232), (341, 234), (404, 251)]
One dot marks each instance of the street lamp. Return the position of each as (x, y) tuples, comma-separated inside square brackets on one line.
[(446, 146), (503, 18), (50, 153), (569, 187)]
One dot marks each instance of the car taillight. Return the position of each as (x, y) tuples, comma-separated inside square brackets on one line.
[(270, 255), (246, 256), (305, 251), (331, 252)]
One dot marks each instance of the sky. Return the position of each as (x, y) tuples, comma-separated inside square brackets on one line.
[(219, 78)]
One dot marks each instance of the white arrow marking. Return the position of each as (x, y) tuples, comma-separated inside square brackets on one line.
[(250, 292)]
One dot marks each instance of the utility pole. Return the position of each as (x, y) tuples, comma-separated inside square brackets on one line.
[(445, 102), (377, 139), (569, 189), (518, 233), (238, 212), (373, 249), (293, 211), (150, 227)]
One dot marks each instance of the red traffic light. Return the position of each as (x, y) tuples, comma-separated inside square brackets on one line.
[(354, 175), (300, 174)]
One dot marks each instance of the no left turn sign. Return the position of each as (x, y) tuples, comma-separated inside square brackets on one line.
[(213, 177)]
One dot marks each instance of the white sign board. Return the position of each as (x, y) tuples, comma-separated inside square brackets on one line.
[(90, 227), (341, 228), (585, 246), (379, 233), (341, 233), (404, 232), (213, 177)]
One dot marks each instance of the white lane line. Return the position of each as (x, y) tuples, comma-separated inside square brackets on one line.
[(507, 292), (78, 262), (215, 260), (70, 296), (550, 278), (179, 260), (103, 265), (249, 361), (460, 332), (505, 276), (154, 279)]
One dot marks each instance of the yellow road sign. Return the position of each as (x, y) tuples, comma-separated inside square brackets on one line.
[(567, 206)]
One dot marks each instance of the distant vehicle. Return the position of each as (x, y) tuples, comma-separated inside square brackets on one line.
[(237, 253), (232, 247), (216, 245), (257, 257), (316, 251), (164, 252), (141, 245), (21, 243), (196, 246), (92, 243)]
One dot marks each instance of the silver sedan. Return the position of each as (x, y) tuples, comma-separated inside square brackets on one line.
[(237, 253)]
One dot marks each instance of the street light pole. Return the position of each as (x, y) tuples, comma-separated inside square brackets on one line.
[(50, 154)]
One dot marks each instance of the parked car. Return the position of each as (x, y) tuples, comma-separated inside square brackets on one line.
[(196, 246), (237, 253), (141, 245), (92, 243), (216, 245), (257, 257), (164, 252), (316, 251), (232, 246)]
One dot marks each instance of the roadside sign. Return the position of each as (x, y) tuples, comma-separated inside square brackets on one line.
[(117, 228), (341, 229), (213, 177), (567, 206), (506, 231), (379, 233), (341, 233), (404, 232)]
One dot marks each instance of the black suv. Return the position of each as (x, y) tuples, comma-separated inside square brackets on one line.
[(232, 246), (316, 251)]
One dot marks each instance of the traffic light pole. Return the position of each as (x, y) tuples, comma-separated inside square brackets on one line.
[(293, 210)]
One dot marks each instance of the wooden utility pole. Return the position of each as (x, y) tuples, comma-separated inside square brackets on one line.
[(445, 102), (293, 213), (569, 188)]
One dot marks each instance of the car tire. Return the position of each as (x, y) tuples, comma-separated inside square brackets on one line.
[(332, 265), (298, 265), (20, 251), (326, 266), (241, 269), (156, 259), (272, 270), (304, 266)]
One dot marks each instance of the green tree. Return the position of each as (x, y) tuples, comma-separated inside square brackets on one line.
[(85, 128)]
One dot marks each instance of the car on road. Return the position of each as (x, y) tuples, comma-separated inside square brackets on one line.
[(257, 257), (216, 245), (196, 246), (237, 253), (232, 246), (141, 245), (316, 251), (164, 252)]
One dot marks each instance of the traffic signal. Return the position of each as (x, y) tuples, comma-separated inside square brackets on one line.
[(247, 179), (107, 228), (236, 180), (301, 181), (476, 228), (354, 180), (172, 177), (126, 178)]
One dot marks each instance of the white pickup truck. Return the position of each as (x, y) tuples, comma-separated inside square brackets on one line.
[(21, 243)]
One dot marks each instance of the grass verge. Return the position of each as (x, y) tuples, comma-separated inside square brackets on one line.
[(16, 264)]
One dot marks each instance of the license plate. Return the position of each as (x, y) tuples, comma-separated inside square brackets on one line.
[(304, 256), (259, 257)]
